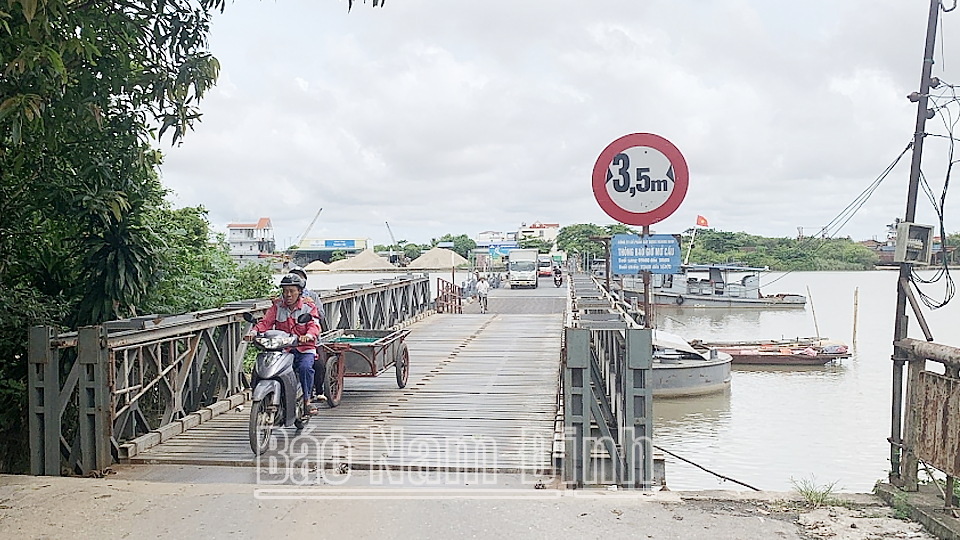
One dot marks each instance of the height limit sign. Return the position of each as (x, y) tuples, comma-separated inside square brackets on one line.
[(640, 179)]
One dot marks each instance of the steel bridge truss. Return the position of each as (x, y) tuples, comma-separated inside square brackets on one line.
[(377, 305), (607, 398), (93, 390)]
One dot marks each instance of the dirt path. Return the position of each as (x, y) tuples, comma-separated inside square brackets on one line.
[(114, 507)]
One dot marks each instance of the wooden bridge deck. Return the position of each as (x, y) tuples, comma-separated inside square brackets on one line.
[(482, 396)]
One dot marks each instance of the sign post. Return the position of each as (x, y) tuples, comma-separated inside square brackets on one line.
[(640, 179)]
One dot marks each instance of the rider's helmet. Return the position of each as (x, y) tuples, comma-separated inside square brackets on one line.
[(293, 279), (299, 271)]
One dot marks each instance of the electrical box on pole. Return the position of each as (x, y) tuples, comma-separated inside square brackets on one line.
[(914, 243)]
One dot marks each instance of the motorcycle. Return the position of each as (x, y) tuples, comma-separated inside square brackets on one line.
[(277, 398), (558, 280)]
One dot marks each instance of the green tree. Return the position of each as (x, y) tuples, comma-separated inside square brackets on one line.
[(412, 251), (196, 271), (83, 87), (541, 245), (714, 247), (462, 244), (576, 239), (619, 228)]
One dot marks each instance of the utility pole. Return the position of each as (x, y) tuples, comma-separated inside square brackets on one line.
[(901, 321)]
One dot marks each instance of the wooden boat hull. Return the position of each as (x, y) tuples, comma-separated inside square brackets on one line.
[(773, 358), (704, 301), (795, 352)]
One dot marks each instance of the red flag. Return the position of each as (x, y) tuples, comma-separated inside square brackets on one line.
[(702, 221)]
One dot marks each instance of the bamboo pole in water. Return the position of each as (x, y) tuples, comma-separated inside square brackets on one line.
[(815, 325), (856, 293)]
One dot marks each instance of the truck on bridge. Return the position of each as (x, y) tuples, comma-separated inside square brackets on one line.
[(522, 268)]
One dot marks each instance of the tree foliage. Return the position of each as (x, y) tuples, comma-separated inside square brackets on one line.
[(575, 239), (462, 243), (542, 246), (196, 272), (712, 246), (86, 90)]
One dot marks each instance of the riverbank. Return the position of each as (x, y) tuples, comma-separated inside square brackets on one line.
[(117, 507)]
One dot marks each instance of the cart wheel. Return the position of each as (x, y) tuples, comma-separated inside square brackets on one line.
[(333, 381), (402, 363)]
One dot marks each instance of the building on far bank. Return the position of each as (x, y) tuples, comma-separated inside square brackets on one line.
[(543, 231), (251, 241), (321, 249)]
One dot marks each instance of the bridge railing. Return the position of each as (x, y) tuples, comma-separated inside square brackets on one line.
[(93, 391), (932, 414), (449, 297), (607, 372)]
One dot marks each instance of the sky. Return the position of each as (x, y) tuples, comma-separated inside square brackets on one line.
[(459, 117)]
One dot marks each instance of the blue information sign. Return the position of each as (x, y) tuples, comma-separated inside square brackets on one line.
[(339, 243), (501, 250), (632, 254)]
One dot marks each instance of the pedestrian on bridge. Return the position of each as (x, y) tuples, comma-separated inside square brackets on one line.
[(483, 289), (282, 315)]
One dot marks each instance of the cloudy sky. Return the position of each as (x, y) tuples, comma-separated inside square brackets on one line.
[(464, 116)]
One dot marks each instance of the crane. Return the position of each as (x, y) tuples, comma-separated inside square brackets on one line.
[(309, 227), (394, 240)]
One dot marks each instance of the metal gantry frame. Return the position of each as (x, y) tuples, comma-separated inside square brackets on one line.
[(607, 398), (92, 390)]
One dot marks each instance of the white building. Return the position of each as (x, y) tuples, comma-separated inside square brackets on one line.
[(543, 231), (250, 241), (491, 237)]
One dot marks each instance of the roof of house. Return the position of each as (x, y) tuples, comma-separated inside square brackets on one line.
[(538, 225), (262, 223)]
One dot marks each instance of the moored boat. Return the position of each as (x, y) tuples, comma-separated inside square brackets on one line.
[(713, 285), (680, 370), (800, 352)]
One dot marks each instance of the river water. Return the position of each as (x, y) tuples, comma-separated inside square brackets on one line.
[(829, 423), (826, 423)]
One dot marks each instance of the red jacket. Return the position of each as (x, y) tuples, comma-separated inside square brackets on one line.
[(280, 317)]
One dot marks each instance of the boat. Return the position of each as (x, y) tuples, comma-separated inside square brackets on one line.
[(799, 352), (680, 370), (712, 285)]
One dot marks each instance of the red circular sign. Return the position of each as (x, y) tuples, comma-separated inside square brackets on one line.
[(640, 179)]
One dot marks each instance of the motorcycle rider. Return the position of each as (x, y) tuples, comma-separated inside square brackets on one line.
[(557, 275), (319, 366), (316, 298), (282, 315)]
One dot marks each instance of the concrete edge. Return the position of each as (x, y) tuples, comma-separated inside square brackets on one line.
[(854, 499), (924, 507), (148, 440)]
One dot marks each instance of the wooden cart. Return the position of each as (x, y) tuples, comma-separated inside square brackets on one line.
[(361, 353)]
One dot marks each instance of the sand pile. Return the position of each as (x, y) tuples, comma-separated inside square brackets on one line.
[(436, 259), (365, 260)]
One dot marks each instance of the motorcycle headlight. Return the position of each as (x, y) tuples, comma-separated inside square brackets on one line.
[(276, 342)]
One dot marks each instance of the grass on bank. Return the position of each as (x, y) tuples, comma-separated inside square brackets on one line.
[(816, 494)]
